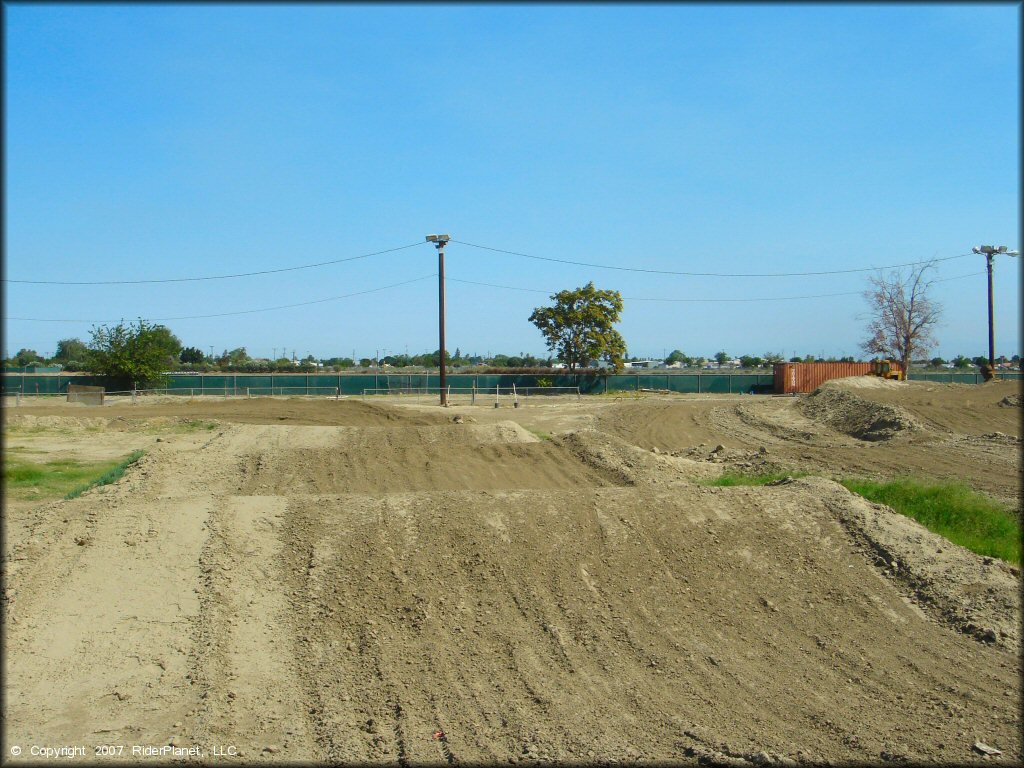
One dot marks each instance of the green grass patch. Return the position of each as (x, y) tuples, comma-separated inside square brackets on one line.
[(952, 510), (729, 479), (28, 480), (112, 475), (539, 434)]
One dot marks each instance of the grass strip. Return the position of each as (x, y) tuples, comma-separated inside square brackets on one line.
[(728, 479), (28, 480), (112, 475), (952, 510)]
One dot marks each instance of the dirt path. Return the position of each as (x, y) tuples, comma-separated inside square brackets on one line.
[(394, 587)]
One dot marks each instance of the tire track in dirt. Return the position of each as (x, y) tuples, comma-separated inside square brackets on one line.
[(659, 652), (248, 640)]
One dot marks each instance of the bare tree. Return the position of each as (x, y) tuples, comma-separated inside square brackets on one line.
[(902, 317)]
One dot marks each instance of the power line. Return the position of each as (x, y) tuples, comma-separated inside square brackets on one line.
[(469, 282), (710, 274), (211, 277), (704, 300), (240, 312)]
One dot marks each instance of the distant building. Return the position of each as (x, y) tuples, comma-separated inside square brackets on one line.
[(645, 364)]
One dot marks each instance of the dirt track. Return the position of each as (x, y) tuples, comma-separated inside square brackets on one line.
[(337, 581)]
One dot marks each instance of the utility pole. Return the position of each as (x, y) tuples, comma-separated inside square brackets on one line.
[(439, 242), (990, 251)]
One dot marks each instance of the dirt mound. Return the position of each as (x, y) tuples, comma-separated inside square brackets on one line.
[(977, 595), (1011, 401), (265, 410), (864, 419), (866, 382), (400, 460), (667, 426), (496, 620), (947, 407), (32, 421)]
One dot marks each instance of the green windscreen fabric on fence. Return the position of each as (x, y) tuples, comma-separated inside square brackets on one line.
[(27, 384), (351, 384)]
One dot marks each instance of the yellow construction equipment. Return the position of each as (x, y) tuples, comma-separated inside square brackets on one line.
[(887, 369)]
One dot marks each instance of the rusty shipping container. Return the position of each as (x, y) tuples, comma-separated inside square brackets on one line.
[(806, 377)]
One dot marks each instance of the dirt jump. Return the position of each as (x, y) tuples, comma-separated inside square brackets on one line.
[(319, 581)]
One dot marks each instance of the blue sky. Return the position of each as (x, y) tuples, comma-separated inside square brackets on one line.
[(152, 142)]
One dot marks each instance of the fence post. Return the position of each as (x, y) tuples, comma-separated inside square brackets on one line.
[(192, 393), (18, 398), (134, 393), (730, 383), (247, 395), (698, 383), (337, 393)]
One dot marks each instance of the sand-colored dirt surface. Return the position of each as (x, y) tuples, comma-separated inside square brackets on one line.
[(294, 580)]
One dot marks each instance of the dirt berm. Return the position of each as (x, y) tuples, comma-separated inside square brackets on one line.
[(395, 588), (836, 405)]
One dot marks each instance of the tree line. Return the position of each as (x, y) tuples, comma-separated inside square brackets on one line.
[(578, 330)]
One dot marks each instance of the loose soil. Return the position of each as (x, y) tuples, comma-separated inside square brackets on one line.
[(339, 581)]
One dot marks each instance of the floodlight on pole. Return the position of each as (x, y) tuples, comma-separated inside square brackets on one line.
[(989, 251), (439, 242)]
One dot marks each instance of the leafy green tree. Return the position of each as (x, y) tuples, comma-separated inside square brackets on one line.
[(162, 337), (721, 358), (748, 361), (771, 358), (980, 360), (70, 349), (578, 328), (27, 357), (936, 362), (961, 362), (238, 356), (191, 355), (131, 355), (677, 356)]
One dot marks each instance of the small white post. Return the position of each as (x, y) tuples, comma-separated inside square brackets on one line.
[(337, 393), (134, 393)]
